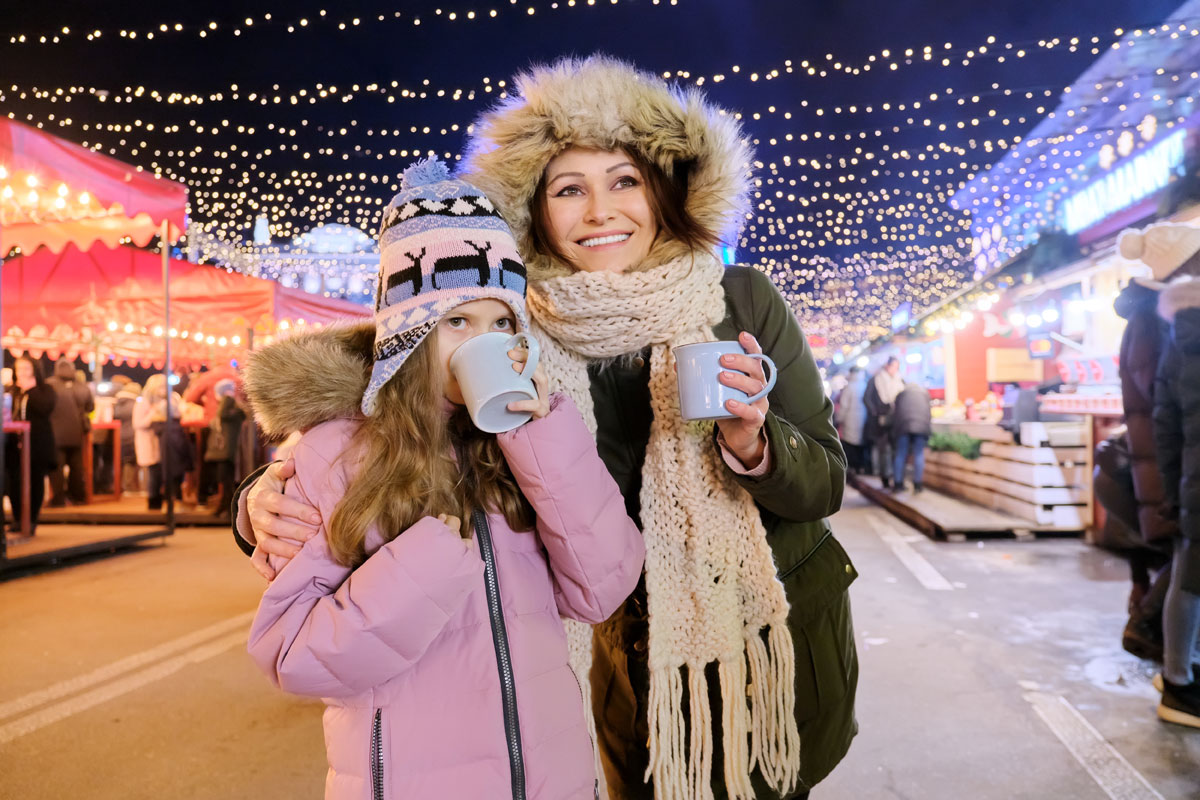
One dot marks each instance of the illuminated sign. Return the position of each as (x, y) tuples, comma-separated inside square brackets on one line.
[(1041, 347), (902, 316), (1134, 180)]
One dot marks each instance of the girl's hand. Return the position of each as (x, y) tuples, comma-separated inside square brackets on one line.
[(743, 434), (452, 522), (540, 407)]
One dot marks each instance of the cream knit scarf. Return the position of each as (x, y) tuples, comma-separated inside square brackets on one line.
[(711, 582)]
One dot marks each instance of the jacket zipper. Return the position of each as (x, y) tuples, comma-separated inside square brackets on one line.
[(508, 688), (377, 756)]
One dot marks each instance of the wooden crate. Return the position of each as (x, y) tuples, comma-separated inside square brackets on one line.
[(1051, 486), (1053, 434)]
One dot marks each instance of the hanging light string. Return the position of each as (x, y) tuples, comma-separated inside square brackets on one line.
[(321, 22), (846, 235)]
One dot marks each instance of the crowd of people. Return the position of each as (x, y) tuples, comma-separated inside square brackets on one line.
[(883, 421), (63, 412)]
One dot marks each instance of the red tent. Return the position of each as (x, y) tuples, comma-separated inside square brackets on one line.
[(54, 192), (109, 303)]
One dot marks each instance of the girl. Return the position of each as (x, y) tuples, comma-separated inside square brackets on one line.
[(426, 610)]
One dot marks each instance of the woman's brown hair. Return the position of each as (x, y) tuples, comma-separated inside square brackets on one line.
[(668, 200), (415, 462)]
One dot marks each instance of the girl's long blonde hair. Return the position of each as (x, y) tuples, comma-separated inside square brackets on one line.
[(415, 461)]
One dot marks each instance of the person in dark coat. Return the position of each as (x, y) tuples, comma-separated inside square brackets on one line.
[(71, 425), (222, 446), (33, 402), (127, 398), (1177, 434), (878, 398), (912, 424), (1141, 350)]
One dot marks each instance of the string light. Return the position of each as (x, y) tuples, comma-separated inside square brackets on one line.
[(321, 22), (851, 215)]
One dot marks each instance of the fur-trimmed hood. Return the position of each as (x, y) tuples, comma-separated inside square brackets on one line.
[(1179, 305), (603, 103), (310, 378), (1177, 297)]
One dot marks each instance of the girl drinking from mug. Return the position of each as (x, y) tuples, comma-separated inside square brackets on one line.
[(427, 609)]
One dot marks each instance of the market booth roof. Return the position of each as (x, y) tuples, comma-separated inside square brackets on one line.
[(54, 193), (109, 302)]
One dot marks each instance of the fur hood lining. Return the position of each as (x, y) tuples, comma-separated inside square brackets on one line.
[(310, 378), (606, 104)]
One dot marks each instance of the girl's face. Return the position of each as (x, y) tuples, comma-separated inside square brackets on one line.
[(466, 322), (24, 372), (598, 211)]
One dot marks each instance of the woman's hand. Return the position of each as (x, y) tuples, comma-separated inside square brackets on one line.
[(743, 434), (280, 524), (540, 407)]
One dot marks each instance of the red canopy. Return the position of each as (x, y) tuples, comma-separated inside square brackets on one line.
[(109, 303), (54, 193)]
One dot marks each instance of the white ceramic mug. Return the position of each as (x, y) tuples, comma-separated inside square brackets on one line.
[(701, 393), (489, 383)]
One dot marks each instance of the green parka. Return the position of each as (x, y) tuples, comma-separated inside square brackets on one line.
[(803, 487)]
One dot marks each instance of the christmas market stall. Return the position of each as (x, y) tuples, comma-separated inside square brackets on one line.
[(55, 195)]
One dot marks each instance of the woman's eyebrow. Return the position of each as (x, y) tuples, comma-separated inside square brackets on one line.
[(565, 175), (618, 166)]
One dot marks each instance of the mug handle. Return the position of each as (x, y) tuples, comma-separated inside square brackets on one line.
[(535, 352), (770, 381)]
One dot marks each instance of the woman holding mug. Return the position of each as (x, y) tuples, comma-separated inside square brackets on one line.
[(731, 671)]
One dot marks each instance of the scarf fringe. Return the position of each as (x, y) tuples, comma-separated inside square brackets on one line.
[(774, 737), (735, 730), (763, 735)]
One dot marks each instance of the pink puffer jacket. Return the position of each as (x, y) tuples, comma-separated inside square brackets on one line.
[(402, 648)]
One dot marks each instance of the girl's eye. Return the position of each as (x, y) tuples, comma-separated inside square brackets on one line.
[(627, 182), (569, 191), (504, 324), (456, 322)]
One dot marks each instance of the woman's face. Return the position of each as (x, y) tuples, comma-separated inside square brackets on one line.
[(466, 322), (598, 211), (24, 372)]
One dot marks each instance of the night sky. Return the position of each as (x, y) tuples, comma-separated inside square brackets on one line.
[(844, 275)]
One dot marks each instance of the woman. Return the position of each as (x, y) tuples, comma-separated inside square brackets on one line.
[(224, 433), (151, 435), (731, 671), (33, 401)]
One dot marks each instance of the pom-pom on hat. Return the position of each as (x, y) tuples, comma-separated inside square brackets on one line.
[(441, 244)]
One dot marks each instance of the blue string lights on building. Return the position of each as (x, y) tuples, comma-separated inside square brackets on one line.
[(1101, 159)]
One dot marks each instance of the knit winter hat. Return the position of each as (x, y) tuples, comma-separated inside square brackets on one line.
[(1163, 247), (442, 243)]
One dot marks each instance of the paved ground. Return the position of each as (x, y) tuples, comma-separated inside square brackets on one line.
[(988, 671)]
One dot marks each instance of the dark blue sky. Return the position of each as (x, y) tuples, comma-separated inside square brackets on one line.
[(820, 275)]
